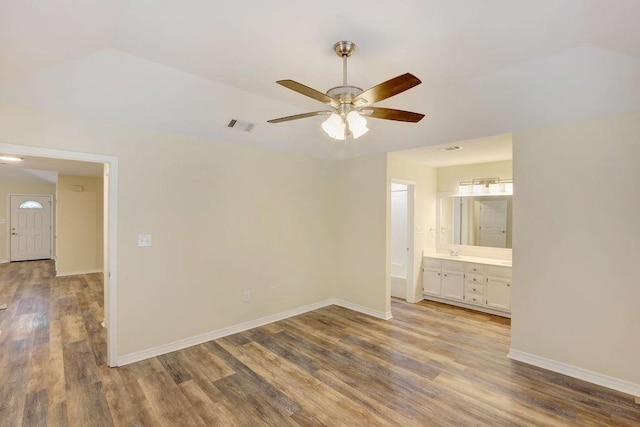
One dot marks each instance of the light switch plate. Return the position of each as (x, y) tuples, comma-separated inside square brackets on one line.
[(144, 240)]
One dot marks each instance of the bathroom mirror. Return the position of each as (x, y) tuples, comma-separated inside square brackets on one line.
[(476, 220)]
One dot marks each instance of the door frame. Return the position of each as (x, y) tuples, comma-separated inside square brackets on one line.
[(411, 192), (50, 196), (110, 268)]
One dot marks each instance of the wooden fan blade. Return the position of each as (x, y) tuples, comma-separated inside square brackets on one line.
[(392, 114), (387, 89), (307, 91), (300, 116)]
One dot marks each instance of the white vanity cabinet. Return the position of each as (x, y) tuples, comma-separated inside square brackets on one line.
[(499, 288), (443, 278), (431, 274), (472, 284), (452, 280)]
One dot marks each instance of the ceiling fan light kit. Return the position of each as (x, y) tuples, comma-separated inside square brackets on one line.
[(349, 104)]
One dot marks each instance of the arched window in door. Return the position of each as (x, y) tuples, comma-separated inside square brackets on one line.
[(30, 204)]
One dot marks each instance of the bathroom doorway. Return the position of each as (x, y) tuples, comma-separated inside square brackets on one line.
[(402, 205)]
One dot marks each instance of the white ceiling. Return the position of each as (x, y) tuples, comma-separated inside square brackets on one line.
[(488, 68), (40, 169), (481, 150)]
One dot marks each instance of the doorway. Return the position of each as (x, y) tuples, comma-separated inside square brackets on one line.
[(402, 274), (30, 222), (110, 168)]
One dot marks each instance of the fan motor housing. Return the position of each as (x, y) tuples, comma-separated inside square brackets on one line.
[(344, 94)]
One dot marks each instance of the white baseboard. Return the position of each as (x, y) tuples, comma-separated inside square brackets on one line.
[(220, 333), (74, 273), (576, 372), (366, 310), (4, 261), (416, 299)]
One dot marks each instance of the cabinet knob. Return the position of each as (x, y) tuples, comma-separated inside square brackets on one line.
[(508, 284), (445, 275), (438, 274), (474, 279)]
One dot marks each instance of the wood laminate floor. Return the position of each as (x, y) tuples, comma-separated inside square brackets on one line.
[(432, 364)]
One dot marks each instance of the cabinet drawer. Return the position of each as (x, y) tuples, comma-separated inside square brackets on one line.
[(453, 266), (474, 298), (431, 263), (495, 271), (474, 288), (475, 268), (474, 278)]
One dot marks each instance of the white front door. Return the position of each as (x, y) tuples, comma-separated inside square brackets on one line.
[(493, 223), (30, 227)]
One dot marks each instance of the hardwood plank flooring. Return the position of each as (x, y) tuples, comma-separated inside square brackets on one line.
[(431, 365)]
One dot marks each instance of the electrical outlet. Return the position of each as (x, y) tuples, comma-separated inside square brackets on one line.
[(247, 296), (144, 240)]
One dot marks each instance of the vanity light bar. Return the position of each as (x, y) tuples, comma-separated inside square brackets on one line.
[(486, 186)]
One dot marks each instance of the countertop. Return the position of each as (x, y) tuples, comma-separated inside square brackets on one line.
[(464, 258)]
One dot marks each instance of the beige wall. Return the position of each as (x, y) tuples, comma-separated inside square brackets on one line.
[(8, 187), (424, 179), (223, 219), (361, 201), (79, 240), (449, 177), (576, 298)]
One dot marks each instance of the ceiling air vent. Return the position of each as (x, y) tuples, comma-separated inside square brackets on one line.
[(240, 125), (452, 148)]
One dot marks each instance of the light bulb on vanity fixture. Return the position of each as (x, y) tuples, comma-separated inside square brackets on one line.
[(486, 186)]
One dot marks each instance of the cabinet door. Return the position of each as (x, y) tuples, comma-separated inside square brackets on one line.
[(431, 281), (499, 293), (453, 285)]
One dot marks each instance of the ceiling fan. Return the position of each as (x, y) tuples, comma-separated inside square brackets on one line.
[(350, 104)]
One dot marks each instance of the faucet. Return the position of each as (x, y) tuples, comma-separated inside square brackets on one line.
[(453, 253)]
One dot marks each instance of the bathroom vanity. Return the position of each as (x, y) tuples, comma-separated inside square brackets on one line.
[(482, 284)]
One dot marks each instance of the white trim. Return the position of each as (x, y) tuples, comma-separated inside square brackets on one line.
[(221, 333), (111, 259), (365, 310), (4, 261), (74, 273), (416, 299), (110, 267), (411, 206), (576, 372)]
